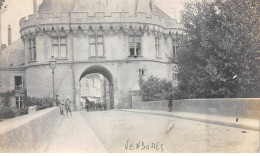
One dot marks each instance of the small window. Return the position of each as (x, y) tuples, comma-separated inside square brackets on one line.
[(157, 47), (132, 49), (18, 82), (100, 50), (19, 102), (59, 47), (96, 44), (141, 72), (32, 49), (135, 45), (56, 51), (174, 48)]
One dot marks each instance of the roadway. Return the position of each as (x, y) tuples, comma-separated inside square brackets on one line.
[(119, 131)]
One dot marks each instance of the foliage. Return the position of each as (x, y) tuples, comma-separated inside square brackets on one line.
[(7, 96), (6, 113), (41, 103), (20, 111), (219, 50), (155, 89)]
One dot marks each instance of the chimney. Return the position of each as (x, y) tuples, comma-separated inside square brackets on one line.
[(35, 10), (152, 5), (9, 35)]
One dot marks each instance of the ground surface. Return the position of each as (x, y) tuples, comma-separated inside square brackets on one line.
[(118, 131)]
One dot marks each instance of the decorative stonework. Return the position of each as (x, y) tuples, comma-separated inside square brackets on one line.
[(49, 23), (99, 29)]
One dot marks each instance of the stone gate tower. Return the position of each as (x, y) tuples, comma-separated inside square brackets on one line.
[(120, 39)]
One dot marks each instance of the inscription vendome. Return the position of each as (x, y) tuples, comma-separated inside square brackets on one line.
[(141, 145)]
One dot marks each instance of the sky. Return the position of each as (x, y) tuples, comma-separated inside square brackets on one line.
[(18, 9)]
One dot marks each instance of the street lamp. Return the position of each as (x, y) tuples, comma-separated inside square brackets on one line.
[(52, 63)]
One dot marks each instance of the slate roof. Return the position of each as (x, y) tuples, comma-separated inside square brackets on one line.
[(13, 55), (70, 5)]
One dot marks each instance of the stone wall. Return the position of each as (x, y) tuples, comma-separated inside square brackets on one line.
[(23, 134), (247, 108)]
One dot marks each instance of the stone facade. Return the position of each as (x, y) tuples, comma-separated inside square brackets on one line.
[(85, 39)]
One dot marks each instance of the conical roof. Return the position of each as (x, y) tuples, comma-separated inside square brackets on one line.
[(107, 6)]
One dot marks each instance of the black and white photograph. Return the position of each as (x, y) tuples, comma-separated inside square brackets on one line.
[(129, 76)]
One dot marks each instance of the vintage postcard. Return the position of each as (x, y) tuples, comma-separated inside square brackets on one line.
[(129, 76)]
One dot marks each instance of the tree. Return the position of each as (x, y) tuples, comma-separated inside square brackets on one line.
[(219, 50), (155, 89), (2, 6)]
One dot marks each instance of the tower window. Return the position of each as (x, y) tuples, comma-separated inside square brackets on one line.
[(174, 48), (32, 49), (141, 72), (59, 45), (135, 45), (96, 44), (157, 47)]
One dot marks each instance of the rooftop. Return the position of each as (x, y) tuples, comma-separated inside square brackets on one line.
[(107, 6)]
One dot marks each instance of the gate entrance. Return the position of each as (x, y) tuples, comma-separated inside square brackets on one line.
[(96, 89)]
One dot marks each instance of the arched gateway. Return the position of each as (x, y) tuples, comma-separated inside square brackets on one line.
[(107, 74)]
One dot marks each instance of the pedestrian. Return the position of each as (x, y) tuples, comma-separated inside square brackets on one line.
[(59, 104), (62, 107), (67, 106), (170, 103)]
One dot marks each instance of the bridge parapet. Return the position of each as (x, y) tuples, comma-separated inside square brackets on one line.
[(233, 107), (23, 134)]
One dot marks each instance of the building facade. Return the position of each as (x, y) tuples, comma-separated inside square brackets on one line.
[(94, 87), (119, 39)]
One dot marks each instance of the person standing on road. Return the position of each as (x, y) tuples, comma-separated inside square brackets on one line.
[(170, 103), (67, 106), (59, 104)]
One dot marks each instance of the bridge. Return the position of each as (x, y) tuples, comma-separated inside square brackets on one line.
[(129, 130)]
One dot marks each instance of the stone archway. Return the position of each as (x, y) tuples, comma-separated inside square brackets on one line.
[(107, 74)]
